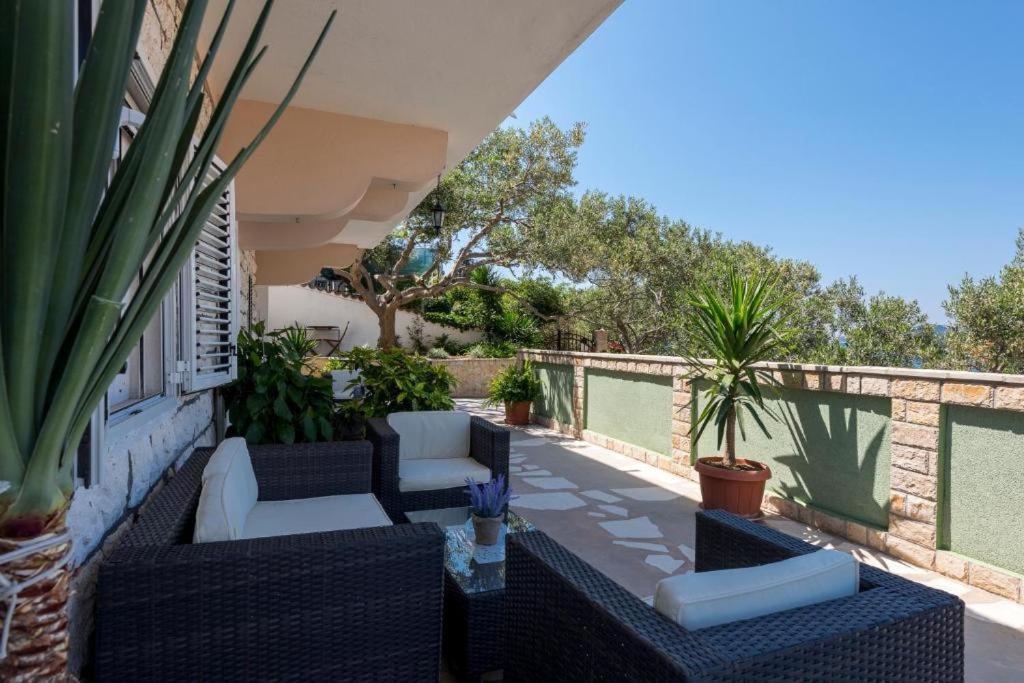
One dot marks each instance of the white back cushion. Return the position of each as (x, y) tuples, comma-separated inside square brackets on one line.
[(222, 458), (703, 599), (431, 434), (229, 494)]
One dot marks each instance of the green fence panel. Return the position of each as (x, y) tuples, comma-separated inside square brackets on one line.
[(983, 487), (556, 391), (636, 409), (828, 450)]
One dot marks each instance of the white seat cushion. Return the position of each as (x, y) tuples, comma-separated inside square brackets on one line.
[(431, 434), (229, 493), (431, 474), (703, 599), (311, 515)]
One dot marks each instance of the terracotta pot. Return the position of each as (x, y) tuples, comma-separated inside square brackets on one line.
[(517, 413), (738, 491), (486, 529)]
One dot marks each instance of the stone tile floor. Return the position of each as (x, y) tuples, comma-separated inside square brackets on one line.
[(635, 523)]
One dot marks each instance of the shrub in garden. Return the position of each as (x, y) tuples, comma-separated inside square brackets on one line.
[(275, 398)]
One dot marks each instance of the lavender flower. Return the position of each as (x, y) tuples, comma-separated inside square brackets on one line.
[(490, 498)]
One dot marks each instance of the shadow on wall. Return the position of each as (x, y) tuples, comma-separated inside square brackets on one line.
[(556, 391), (830, 451), (837, 467)]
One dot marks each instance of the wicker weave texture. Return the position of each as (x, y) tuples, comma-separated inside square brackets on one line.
[(358, 605), (489, 445), (567, 621)]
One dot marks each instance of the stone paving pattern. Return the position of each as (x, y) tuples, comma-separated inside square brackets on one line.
[(634, 522)]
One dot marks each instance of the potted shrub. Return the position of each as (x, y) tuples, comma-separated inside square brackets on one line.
[(487, 503), (277, 398), (516, 387), (738, 334)]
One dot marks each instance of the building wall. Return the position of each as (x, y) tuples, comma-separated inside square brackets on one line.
[(473, 376), (829, 451), (630, 407), (294, 304), (930, 458)]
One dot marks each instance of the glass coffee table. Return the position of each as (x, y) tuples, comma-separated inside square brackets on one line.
[(474, 592)]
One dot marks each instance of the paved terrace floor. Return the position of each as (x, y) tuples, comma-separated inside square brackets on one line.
[(635, 523)]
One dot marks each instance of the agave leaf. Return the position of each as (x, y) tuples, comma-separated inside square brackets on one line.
[(35, 186), (97, 109)]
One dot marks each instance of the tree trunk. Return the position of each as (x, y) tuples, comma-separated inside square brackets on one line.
[(386, 320), (729, 459), (37, 647)]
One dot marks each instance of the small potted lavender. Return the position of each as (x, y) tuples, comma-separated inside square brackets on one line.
[(487, 502)]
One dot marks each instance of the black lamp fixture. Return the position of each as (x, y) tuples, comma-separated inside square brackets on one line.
[(438, 210)]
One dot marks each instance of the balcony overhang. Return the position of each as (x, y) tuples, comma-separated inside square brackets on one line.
[(318, 170), (400, 91), (298, 266)]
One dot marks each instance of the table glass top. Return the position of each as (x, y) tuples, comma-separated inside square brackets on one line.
[(476, 569)]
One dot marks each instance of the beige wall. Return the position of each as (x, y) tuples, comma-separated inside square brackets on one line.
[(288, 305), (473, 375)]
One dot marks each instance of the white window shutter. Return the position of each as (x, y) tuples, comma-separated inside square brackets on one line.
[(210, 299)]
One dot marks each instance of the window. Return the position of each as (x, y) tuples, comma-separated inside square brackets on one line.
[(143, 378), (189, 344)]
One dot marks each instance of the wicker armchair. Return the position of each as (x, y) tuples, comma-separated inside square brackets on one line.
[(362, 604), (489, 446), (565, 616)]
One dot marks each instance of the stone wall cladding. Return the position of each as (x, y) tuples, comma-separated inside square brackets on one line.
[(473, 375), (917, 397), (131, 470)]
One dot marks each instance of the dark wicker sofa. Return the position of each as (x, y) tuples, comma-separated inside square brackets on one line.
[(567, 621), (489, 445), (356, 605)]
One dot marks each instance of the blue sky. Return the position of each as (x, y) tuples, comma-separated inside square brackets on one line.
[(877, 139)]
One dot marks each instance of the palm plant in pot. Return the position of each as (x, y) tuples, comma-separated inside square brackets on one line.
[(517, 387), (738, 333), (85, 263), (487, 503)]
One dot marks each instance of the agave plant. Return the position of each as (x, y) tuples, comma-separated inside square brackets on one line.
[(70, 248), (739, 333)]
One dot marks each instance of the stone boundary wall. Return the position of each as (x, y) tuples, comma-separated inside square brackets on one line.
[(917, 397), (474, 375)]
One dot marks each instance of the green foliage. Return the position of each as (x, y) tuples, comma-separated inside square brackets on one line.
[(986, 329), (275, 399), (487, 350), (736, 333), (63, 339), (514, 384), (395, 381), (504, 201), (438, 353)]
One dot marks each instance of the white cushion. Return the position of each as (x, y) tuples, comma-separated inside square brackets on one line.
[(310, 515), (229, 493), (225, 454), (703, 599), (431, 434), (431, 474)]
